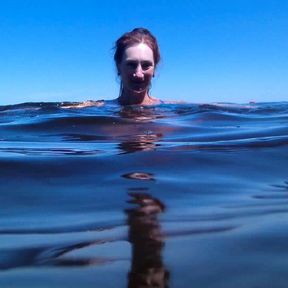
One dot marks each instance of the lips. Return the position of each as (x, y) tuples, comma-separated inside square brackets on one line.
[(136, 83)]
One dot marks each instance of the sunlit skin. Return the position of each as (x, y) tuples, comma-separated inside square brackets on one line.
[(136, 70)]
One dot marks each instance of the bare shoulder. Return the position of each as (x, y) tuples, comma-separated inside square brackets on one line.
[(174, 102)]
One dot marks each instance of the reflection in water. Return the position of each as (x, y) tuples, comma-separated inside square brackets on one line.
[(143, 142), (147, 268), (146, 137), (141, 113), (139, 176)]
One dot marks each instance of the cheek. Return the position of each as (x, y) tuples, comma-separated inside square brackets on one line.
[(125, 72), (150, 74), (122, 74)]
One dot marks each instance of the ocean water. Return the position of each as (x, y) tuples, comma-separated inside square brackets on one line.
[(165, 196)]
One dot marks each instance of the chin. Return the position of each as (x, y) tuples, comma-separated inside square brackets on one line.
[(138, 90)]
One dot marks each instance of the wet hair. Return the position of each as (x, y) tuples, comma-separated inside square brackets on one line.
[(134, 37)]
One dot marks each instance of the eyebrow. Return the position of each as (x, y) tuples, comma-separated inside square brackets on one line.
[(142, 62)]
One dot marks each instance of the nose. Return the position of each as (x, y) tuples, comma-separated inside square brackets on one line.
[(138, 73)]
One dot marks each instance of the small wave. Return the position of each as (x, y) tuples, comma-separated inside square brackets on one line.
[(174, 127)]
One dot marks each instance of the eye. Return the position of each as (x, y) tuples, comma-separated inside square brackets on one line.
[(146, 65), (131, 64)]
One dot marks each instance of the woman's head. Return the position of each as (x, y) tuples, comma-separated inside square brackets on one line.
[(132, 38), (136, 57)]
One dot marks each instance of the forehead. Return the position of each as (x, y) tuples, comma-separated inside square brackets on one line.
[(138, 52)]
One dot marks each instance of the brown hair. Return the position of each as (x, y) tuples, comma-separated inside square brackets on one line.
[(134, 37)]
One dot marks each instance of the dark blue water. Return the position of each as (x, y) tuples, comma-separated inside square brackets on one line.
[(164, 196)]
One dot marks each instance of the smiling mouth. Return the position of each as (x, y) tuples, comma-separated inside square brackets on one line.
[(138, 86), (138, 82)]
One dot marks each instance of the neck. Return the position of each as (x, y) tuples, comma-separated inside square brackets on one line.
[(132, 98)]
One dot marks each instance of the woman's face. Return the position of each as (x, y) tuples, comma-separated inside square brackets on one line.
[(137, 68)]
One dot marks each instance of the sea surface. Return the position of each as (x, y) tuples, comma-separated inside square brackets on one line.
[(174, 195)]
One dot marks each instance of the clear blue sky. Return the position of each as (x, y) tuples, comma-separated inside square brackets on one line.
[(217, 50)]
